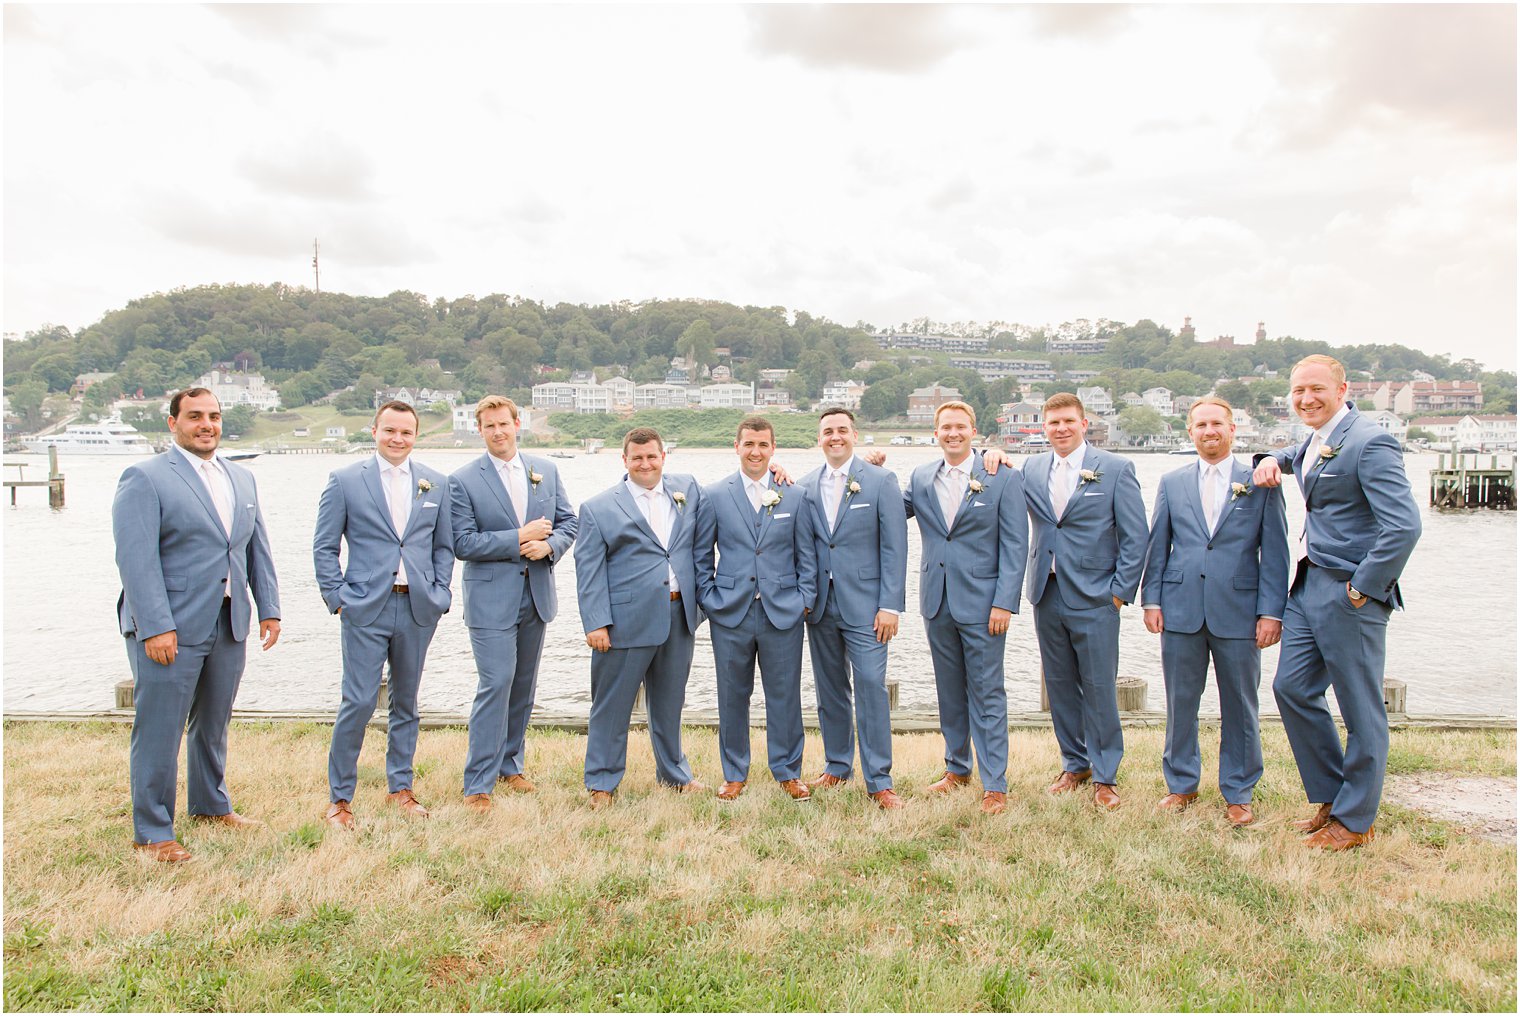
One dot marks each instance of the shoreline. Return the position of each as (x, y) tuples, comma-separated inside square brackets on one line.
[(904, 721)]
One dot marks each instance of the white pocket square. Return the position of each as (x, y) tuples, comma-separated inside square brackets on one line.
[(1094, 493), (430, 504), (783, 515), (978, 504), (854, 506), (252, 506)]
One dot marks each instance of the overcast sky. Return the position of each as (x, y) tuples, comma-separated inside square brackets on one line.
[(1341, 173)]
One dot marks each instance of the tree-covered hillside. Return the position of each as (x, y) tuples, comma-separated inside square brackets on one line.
[(310, 344)]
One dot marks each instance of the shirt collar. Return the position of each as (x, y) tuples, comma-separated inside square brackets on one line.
[(761, 484), (1334, 422), (196, 461), (1226, 466), (1075, 458), (844, 470), (967, 464), (515, 462), (405, 467), (638, 492)]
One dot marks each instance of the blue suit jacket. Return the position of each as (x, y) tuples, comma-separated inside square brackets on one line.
[(1363, 520), (771, 552), (1099, 543), (353, 507), (866, 553), (974, 561), (485, 539), (622, 574), (174, 556), (1225, 579)]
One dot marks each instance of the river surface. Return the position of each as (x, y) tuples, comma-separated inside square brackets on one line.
[(1455, 645)]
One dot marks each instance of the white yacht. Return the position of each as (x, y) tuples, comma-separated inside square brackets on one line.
[(107, 437)]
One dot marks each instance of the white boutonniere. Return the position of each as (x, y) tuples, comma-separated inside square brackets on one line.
[(1090, 476), (679, 498), (974, 487), (770, 499), (423, 486), (851, 486), (1239, 490), (1328, 452), (535, 478)]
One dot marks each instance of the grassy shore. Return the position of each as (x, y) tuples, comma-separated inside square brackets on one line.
[(668, 902)]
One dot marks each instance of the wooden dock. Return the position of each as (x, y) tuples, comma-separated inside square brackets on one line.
[(53, 483), (1460, 480)]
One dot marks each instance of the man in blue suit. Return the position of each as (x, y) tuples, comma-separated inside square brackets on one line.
[(1360, 528), (861, 541), (1086, 552), (975, 534), (394, 514), (1216, 584), (756, 574), (636, 581), (512, 523), (190, 545)]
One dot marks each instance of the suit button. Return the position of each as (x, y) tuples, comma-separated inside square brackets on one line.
[(831, 546), (1058, 525), (224, 580), (752, 578)]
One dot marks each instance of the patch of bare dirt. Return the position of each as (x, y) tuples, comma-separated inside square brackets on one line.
[(1484, 805)]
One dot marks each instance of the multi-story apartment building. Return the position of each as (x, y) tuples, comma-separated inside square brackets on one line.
[(940, 343), (728, 396), (845, 394), (233, 388), (922, 402), (659, 396), (990, 368)]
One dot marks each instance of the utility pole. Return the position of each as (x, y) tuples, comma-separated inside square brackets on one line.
[(316, 269)]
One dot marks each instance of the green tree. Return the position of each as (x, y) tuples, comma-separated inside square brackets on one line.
[(237, 420), (26, 403), (696, 343), (1141, 421)]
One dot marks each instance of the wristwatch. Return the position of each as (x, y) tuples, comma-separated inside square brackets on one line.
[(1354, 593)]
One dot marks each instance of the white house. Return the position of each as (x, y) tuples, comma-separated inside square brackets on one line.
[(234, 389), (621, 389), (1390, 422), (464, 420), (845, 394), (1159, 399), (728, 396), (659, 396), (1096, 401), (562, 396)]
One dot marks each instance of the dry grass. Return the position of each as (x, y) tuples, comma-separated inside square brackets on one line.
[(667, 902)]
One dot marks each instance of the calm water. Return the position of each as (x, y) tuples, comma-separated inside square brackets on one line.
[(1455, 645)]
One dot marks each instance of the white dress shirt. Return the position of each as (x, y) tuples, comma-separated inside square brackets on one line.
[(833, 491), (950, 484), (514, 479), (1317, 440), (656, 506), (396, 481), (1065, 472), (1214, 489), (218, 484), (755, 490)]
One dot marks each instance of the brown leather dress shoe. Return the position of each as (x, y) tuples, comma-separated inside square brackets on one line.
[(694, 787), (339, 815), (993, 802), (1105, 796), (601, 799), (795, 789), (478, 802), (948, 782), (519, 783), (166, 851), (825, 781), (407, 802), (1313, 825), (232, 820), (1176, 802), (1239, 815), (731, 790), (1067, 782), (1335, 836), (887, 800)]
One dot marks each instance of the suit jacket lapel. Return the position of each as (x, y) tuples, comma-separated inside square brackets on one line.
[(1037, 484), (677, 516), (741, 504), (536, 506), (371, 473), (1238, 474), (198, 488), (624, 501), (973, 472), (767, 515), (1194, 500), (493, 481), (928, 493)]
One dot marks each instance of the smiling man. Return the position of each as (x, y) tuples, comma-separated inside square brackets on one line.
[(861, 541), (512, 524), (394, 515), (190, 546), (756, 575), (1216, 582), (636, 579), (975, 533), (1360, 528), (1086, 552)]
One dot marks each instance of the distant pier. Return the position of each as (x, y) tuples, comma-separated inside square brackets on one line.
[(53, 483), (1460, 480)]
